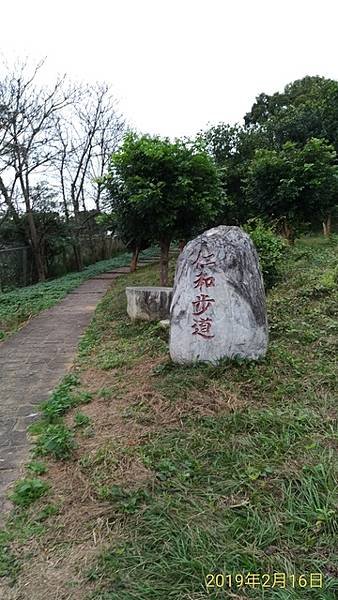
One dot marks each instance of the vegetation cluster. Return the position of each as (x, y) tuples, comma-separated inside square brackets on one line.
[(279, 170), (71, 172)]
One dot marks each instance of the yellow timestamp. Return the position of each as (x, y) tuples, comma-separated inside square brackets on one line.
[(263, 580)]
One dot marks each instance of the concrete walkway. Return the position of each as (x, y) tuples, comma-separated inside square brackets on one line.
[(32, 362)]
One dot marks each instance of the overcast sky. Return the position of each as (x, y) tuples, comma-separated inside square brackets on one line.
[(177, 65)]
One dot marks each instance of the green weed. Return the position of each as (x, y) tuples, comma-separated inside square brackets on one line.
[(57, 441), (61, 400), (27, 491), (81, 420), (37, 467)]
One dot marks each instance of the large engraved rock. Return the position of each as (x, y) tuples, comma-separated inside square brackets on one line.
[(218, 306)]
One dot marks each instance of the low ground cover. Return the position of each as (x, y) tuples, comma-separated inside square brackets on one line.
[(19, 305), (181, 477)]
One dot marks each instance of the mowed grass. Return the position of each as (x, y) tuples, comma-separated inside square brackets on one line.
[(204, 473), (19, 305)]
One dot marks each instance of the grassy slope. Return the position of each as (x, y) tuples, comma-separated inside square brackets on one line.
[(202, 470), (19, 305)]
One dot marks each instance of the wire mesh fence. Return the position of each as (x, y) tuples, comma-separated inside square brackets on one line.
[(17, 268)]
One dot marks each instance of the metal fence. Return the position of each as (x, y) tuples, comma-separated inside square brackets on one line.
[(17, 267)]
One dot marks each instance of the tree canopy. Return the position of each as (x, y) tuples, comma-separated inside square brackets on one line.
[(281, 162), (165, 189), (294, 183), (306, 108)]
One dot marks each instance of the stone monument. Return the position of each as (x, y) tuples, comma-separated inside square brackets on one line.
[(218, 306)]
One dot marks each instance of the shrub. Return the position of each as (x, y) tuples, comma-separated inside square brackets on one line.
[(37, 467), (56, 440), (270, 248), (329, 279), (27, 491)]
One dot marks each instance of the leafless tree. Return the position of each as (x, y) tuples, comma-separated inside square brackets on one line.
[(88, 134), (28, 137), (111, 128), (67, 131)]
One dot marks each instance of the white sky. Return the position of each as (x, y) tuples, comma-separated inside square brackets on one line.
[(176, 65)]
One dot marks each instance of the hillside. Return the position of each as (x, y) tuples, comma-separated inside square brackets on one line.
[(180, 474)]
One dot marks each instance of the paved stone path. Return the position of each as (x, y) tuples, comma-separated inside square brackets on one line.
[(32, 362)]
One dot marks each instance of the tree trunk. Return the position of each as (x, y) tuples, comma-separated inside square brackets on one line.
[(64, 260), (44, 259), (181, 245), (24, 267), (288, 232), (164, 262), (8, 201), (134, 259), (77, 255), (77, 225), (327, 226), (40, 268), (104, 247), (33, 236)]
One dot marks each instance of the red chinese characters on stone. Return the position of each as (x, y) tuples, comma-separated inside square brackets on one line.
[(202, 279), (201, 304), (203, 261), (202, 327)]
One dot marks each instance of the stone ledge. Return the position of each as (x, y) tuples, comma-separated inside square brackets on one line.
[(150, 303)]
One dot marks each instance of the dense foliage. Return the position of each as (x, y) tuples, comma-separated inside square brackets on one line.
[(270, 248), (282, 163), (161, 190), (294, 183), (306, 108)]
